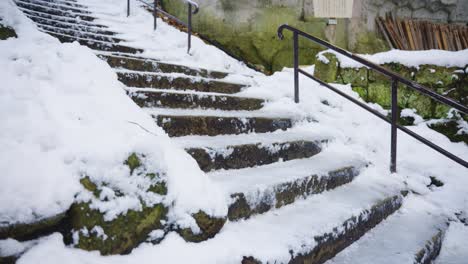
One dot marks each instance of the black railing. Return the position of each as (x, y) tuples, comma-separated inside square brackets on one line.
[(192, 8), (395, 79)]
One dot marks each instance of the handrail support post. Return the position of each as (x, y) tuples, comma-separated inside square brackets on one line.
[(189, 28), (155, 14), (393, 151), (296, 66), (128, 8)]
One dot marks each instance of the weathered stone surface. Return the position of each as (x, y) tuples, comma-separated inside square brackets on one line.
[(187, 101), (177, 126), (62, 19), (77, 14), (96, 45), (87, 229), (209, 227), (33, 230), (178, 83), (331, 243), (6, 32), (450, 129), (61, 5), (80, 34), (431, 250), (354, 76), (150, 65), (327, 71), (123, 233), (287, 193), (250, 155), (78, 25)]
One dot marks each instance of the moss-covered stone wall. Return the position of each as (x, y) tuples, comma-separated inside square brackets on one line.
[(248, 29), (374, 87)]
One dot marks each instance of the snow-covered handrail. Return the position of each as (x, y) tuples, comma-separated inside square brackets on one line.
[(193, 8), (395, 80)]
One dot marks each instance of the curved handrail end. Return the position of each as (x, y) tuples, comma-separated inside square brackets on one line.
[(280, 31), (194, 4)]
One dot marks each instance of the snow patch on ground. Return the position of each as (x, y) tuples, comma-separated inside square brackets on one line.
[(454, 248)]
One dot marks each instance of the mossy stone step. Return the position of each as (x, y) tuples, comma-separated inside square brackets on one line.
[(55, 12), (80, 34), (288, 192), (250, 155), (193, 100), (152, 65), (71, 20), (33, 230), (338, 238), (177, 126), (54, 7), (145, 80), (103, 46), (86, 28), (70, 3)]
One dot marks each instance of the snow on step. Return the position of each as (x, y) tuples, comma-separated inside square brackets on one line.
[(412, 235), (307, 132), (191, 100), (176, 81), (251, 180), (454, 247), (290, 231), (136, 63)]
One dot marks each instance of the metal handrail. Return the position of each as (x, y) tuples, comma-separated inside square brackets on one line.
[(192, 8), (395, 78)]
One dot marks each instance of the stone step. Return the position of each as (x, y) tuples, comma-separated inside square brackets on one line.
[(94, 44), (152, 65), (258, 190), (151, 98), (177, 82), (61, 18), (251, 155), (413, 235), (71, 3), (80, 34), (82, 15), (177, 126), (71, 26), (62, 6)]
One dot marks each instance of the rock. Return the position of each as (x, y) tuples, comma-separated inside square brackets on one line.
[(33, 230), (326, 69), (209, 227), (89, 230), (118, 236), (354, 76), (7, 32)]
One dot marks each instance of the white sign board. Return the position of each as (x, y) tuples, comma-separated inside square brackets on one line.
[(333, 8)]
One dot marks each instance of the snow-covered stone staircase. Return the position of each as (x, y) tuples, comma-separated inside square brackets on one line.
[(265, 164)]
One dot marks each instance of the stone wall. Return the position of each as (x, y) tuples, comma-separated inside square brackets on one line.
[(247, 28)]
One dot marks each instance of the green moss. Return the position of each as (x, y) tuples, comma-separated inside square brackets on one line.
[(123, 233), (159, 188), (450, 129), (370, 43), (327, 72), (209, 227), (7, 32), (28, 231), (354, 76), (133, 162)]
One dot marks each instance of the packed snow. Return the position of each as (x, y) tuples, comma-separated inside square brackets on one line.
[(416, 58), (63, 128)]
